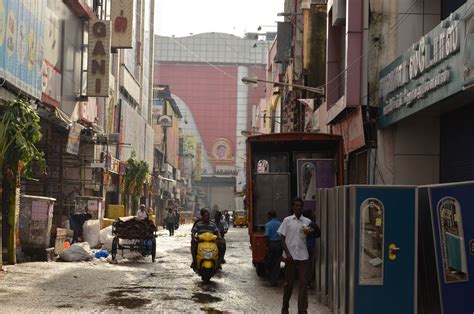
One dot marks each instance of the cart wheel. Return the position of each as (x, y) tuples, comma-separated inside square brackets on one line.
[(115, 243), (153, 249)]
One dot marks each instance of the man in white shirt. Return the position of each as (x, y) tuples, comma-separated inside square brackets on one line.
[(141, 212), (293, 231)]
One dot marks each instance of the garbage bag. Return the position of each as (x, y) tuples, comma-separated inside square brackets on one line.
[(106, 238), (91, 232), (77, 252)]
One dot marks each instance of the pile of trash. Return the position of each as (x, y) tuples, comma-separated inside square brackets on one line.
[(80, 252), (134, 228)]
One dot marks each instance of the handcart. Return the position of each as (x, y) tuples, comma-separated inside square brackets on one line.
[(140, 233)]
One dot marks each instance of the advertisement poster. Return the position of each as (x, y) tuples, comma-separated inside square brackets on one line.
[(21, 44), (74, 139)]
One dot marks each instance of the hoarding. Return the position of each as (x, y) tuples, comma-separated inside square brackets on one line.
[(98, 70), (122, 23)]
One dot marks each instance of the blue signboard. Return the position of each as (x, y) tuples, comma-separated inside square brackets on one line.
[(21, 44), (452, 208)]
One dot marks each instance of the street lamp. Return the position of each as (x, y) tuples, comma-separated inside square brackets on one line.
[(318, 90)]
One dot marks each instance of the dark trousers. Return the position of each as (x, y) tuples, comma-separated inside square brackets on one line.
[(170, 227), (291, 267), (272, 260)]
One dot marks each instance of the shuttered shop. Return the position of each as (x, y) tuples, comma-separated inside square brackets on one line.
[(457, 145)]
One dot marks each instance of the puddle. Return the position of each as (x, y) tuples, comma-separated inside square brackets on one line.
[(64, 306), (128, 302), (204, 298), (211, 310)]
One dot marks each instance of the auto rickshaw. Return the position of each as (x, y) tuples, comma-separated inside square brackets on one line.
[(240, 218)]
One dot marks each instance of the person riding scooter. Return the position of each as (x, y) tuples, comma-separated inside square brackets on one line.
[(204, 225)]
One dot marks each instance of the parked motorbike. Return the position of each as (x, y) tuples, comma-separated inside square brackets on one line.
[(207, 257)]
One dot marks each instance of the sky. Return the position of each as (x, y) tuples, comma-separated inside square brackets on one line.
[(185, 17)]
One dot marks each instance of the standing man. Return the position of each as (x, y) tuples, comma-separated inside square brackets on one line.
[(170, 221), (275, 248), (293, 237)]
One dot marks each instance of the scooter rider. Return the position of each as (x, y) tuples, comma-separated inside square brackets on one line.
[(201, 226)]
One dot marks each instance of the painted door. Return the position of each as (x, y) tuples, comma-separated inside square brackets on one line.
[(452, 215), (383, 249)]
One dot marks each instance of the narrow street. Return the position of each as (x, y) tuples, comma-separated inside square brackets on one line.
[(168, 285)]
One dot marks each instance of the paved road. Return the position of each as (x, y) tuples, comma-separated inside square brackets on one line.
[(138, 285)]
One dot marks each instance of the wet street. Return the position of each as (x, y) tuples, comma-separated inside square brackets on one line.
[(168, 285)]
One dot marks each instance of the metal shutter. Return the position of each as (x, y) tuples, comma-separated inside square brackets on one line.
[(457, 145)]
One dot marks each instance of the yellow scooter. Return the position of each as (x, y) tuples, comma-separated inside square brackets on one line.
[(207, 257)]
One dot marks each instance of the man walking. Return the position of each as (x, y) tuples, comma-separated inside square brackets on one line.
[(293, 232), (170, 221), (274, 246)]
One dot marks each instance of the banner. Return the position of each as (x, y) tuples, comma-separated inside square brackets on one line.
[(74, 139)]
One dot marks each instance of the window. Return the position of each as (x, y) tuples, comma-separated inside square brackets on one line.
[(371, 242), (452, 240)]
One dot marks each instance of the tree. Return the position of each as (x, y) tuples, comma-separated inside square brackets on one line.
[(135, 178), (20, 130)]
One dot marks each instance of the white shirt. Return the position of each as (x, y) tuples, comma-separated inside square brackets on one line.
[(141, 214), (292, 229)]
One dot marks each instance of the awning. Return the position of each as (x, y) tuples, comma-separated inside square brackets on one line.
[(55, 116)]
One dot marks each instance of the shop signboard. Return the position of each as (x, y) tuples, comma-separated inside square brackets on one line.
[(74, 139), (122, 23), (21, 44), (98, 70), (439, 65)]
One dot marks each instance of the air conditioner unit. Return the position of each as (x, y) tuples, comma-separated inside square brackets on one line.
[(319, 1)]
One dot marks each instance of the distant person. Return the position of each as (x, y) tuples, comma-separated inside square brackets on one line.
[(293, 232), (170, 221), (275, 249), (220, 224), (311, 245), (142, 212)]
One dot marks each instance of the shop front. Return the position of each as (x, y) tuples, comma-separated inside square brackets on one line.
[(425, 124)]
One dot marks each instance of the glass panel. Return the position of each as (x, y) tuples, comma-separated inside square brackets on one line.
[(263, 166), (308, 181), (452, 240), (371, 242)]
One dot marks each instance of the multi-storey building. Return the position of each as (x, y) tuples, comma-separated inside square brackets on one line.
[(204, 73)]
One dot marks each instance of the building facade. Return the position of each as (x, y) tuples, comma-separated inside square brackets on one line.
[(204, 72)]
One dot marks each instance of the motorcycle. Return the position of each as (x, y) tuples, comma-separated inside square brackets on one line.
[(207, 257)]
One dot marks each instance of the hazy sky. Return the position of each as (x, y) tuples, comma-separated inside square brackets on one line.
[(182, 17)]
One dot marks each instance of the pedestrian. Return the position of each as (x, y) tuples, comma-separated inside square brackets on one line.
[(177, 216), (293, 231), (275, 249), (221, 226), (170, 220), (227, 217), (141, 212), (311, 245)]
